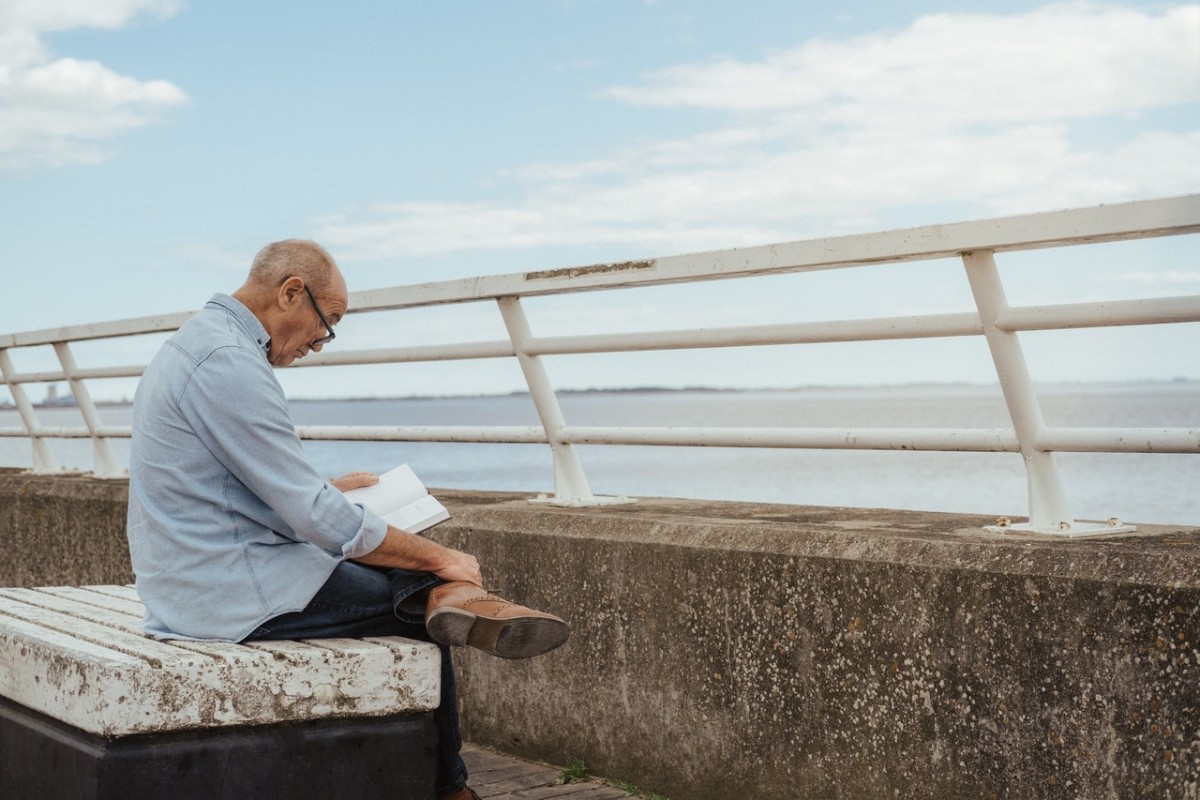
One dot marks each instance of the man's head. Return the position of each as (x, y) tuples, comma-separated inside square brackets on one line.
[(294, 288)]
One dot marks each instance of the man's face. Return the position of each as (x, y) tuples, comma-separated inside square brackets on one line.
[(300, 326)]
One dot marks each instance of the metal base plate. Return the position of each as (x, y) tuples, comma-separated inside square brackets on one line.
[(1073, 530), (594, 500)]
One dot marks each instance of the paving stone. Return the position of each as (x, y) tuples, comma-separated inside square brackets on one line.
[(574, 791), (495, 776), (519, 771), (599, 791)]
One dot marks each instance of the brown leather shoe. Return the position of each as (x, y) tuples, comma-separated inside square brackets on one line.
[(460, 613), (465, 793)]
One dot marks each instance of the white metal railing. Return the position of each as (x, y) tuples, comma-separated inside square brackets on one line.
[(975, 243)]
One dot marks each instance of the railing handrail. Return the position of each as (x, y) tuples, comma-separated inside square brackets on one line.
[(1139, 219), (974, 242), (1119, 221)]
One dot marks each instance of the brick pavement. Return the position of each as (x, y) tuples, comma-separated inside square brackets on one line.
[(499, 777)]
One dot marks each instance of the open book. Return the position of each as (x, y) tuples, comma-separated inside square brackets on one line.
[(402, 500)]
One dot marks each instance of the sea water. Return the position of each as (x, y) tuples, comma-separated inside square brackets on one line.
[(1149, 488)]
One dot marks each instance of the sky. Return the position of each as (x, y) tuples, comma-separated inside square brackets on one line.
[(148, 148)]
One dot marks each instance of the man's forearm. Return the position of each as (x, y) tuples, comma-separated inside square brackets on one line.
[(404, 550), (400, 549)]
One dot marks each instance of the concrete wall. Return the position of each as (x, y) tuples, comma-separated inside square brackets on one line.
[(726, 650), (62, 530), (741, 651)]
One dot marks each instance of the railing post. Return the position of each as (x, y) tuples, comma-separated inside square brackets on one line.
[(43, 459), (1048, 512), (1047, 500), (570, 484), (104, 459)]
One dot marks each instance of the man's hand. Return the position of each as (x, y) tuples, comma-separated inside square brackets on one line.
[(354, 480), (460, 567)]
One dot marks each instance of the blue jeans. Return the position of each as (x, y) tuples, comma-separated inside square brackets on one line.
[(359, 601)]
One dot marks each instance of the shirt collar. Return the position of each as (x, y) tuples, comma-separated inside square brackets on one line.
[(246, 317)]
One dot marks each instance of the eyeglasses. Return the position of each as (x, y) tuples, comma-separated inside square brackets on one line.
[(324, 321)]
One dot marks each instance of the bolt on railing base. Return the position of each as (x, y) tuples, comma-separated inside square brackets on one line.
[(583, 502), (1068, 529), (120, 474)]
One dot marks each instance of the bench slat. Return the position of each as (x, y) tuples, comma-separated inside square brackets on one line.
[(78, 655), (40, 609), (130, 605), (58, 598)]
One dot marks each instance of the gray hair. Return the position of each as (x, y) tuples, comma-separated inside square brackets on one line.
[(279, 261)]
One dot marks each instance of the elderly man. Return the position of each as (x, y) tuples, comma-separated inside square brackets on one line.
[(233, 535)]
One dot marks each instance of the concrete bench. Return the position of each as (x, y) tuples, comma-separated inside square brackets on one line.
[(91, 708)]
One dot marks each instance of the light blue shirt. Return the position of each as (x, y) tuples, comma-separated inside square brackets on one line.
[(229, 525)]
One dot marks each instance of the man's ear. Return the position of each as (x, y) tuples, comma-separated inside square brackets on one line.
[(290, 292)]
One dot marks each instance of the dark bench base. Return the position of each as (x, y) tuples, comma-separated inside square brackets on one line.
[(379, 757)]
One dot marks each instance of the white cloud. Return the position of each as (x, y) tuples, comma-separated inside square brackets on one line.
[(1057, 62), (988, 113), (56, 111), (61, 15)]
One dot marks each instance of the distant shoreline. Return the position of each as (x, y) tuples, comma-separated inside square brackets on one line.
[(634, 390)]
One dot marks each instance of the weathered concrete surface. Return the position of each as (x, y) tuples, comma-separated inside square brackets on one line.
[(60, 530), (78, 655), (733, 650), (727, 650)]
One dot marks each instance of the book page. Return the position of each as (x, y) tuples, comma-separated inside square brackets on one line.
[(397, 487), (401, 500), (418, 516)]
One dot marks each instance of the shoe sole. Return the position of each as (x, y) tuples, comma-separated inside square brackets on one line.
[(510, 637)]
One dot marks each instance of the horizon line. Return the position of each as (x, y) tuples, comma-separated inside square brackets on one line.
[(66, 401)]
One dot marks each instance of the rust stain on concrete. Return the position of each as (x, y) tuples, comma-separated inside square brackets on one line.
[(594, 269)]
